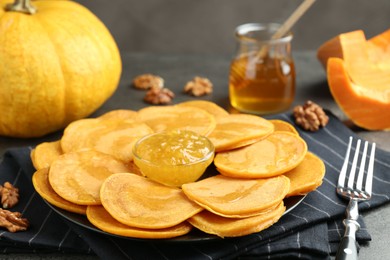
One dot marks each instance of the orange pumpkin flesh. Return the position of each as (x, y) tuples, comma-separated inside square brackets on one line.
[(366, 108), (57, 65), (358, 73)]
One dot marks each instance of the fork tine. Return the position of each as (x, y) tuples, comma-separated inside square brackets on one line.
[(370, 171), (347, 248), (351, 177), (359, 182), (343, 171)]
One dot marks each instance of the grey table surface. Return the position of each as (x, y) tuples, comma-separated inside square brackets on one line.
[(177, 69)]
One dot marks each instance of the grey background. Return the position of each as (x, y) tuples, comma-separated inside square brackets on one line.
[(207, 26)]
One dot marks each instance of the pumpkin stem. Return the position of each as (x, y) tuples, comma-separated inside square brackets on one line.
[(23, 6)]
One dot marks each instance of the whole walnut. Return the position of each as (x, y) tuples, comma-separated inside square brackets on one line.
[(148, 81), (199, 86), (159, 96), (9, 195), (310, 116)]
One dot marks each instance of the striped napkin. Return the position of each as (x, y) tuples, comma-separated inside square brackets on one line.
[(311, 230)]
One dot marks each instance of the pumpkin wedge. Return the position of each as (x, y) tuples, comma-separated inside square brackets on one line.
[(358, 72), (367, 62), (366, 107), (338, 46)]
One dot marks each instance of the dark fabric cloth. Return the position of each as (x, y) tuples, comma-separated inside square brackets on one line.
[(312, 230)]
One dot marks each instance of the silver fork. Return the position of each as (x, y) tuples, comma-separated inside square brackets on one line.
[(353, 190)]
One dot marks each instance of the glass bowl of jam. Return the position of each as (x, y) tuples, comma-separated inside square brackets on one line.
[(173, 158)]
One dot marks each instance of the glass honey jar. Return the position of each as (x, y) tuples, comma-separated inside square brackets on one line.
[(262, 73)]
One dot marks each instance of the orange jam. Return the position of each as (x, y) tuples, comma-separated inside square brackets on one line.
[(173, 158)]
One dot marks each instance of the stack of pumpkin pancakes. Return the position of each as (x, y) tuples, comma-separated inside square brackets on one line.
[(259, 163)]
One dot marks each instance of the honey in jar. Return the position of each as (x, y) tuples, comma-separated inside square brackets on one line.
[(262, 75)]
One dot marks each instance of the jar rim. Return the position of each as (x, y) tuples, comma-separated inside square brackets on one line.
[(242, 33)]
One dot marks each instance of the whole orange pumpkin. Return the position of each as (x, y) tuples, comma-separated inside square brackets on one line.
[(58, 63)]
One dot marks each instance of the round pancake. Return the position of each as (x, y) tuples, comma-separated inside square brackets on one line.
[(111, 136), (177, 117), (124, 114), (235, 198), (209, 106), (281, 125), (139, 202), (76, 134), (307, 176), (77, 176), (278, 153), (239, 130), (42, 186), (100, 218), (230, 227), (45, 153)]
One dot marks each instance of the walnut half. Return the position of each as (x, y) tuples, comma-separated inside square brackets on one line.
[(199, 87), (9, 195), (148, 81), (310, 116), (13, 221), (159, 96)]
